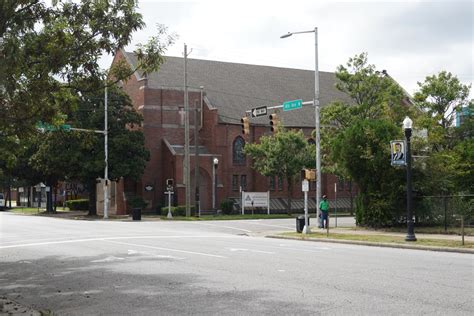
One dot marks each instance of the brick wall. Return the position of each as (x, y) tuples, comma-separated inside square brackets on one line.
[(163, 114)]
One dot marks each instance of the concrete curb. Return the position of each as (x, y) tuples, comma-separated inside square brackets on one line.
[(375, 244)]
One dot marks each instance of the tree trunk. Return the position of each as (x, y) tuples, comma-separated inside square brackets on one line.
[(290, 189), (49, 196), (92, 198), (30, 191), (55, 197), (9, 194)]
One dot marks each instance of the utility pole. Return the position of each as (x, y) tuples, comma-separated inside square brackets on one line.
[(196, 162), (317, 113), (197, 179), (187, 173), (106, 149)]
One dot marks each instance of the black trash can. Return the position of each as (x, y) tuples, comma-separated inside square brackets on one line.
[(300, 223), (137, 214)]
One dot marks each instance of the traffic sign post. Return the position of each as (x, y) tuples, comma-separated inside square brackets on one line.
[(169, 193), (305, 189), (292, 105)]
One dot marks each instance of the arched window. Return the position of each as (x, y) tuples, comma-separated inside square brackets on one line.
[(238, 156)]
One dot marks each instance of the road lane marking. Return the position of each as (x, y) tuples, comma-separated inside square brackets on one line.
[(167, 249), (151, 254), (108, 259), (250, 250), (271, 225), (111, 238), (229, 227)]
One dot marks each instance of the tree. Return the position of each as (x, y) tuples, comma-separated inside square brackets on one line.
[(49, 53), (80, 155), (363, 153), (448, 166), (356, 138), (283, 154), (439, 97)]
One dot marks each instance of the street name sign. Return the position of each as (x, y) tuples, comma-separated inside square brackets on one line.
[(292, 105), (43, 127), (260, 111)]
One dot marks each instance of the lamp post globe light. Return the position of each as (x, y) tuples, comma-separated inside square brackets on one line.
[(407, 125), (316, 114), (215, 163)]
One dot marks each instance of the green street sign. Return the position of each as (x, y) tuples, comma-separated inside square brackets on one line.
[(292, 105), (46, 127)]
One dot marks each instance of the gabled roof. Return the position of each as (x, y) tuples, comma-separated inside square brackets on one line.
[(234, 88)]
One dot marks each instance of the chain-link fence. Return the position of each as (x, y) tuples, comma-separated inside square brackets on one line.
[(450, 211)]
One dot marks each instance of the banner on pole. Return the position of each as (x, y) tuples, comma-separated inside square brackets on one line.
[(398, 154)]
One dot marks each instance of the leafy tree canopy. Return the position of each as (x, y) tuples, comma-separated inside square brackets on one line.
[(283, 154), (49, 52), (439, 98), (356, 137), (79, 155)]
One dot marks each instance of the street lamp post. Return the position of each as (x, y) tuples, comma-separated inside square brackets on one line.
[(215, 163), (316, 113), (407, 125)]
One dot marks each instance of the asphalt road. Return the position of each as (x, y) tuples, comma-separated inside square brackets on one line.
[(208, 268)]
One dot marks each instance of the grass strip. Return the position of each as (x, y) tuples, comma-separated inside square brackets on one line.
[(384, 239), (34, 210), (225, 217)]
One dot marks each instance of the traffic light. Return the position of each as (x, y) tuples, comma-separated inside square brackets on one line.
[(274, 122), (245, 125), (309, 174)]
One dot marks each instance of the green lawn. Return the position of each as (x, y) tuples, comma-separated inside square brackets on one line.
[(384, 239), (468, 231), (35, 210), (226, 217)]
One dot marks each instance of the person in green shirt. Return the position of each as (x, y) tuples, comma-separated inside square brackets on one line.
[(324, 208)]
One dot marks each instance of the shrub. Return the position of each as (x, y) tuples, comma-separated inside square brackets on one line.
[(179, 210), (373, 210), (227, 206), (137, 202), (78, 205)]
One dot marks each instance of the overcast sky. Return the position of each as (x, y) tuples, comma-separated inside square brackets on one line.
[(410, 39)]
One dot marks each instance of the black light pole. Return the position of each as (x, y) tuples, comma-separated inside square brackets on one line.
[(407, 124)]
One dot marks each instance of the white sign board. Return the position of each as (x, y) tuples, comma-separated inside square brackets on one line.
[(305, 185), (255, 199)]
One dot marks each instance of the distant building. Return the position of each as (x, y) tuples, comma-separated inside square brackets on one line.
[(462, 114), (228, 90)]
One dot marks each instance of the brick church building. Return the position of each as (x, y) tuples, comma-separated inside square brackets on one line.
[(219, 93)]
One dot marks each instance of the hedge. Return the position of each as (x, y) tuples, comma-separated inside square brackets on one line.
[(78, 205)]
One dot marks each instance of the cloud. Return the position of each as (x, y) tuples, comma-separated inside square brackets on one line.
[(410, 39)]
